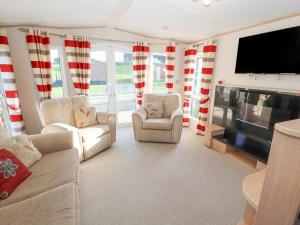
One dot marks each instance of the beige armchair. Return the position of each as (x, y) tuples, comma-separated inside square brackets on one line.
[(167, 129), (58, 116)]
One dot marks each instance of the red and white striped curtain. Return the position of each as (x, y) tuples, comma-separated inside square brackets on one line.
[(209, 55), (189, 72), (79, 63), (140, 53), (9, 86), (38, 44), (170, 66)]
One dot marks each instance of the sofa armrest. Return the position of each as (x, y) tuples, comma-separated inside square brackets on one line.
[(49, 143), (176, 120), (104, 117), (61, 127), (138, 118), (177, 114), (110, 120), (141, 114)]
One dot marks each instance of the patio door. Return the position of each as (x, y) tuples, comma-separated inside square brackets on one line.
[(112, 83)]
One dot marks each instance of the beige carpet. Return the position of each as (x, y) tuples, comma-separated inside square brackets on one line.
[(136, 183)]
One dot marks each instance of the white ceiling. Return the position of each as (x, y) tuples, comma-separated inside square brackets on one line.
[(187, 21)]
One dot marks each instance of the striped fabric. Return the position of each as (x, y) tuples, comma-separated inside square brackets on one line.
[(170, 66), (39, 53), (140, 53), (79, 63), (209, 55), (189, 72), (9, 86)]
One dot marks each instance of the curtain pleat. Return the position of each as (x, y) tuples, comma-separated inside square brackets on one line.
[(189, 72), (170, 67), (38, 44), (140, 52), (209, 55), (9, 86), (79, 63)]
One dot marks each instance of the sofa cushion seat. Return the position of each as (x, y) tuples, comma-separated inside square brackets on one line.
[(158, 124), (53, 170), (58, 206), (93, 132)]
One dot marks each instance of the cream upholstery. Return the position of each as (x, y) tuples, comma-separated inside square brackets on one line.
[(167, 129), (50, 195), (59, 116)]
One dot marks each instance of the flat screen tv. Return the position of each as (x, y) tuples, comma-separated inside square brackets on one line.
[(276, 52)]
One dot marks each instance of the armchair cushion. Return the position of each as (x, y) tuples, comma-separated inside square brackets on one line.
[(85, 116), (157, 124), (93, 132), (154, 109)]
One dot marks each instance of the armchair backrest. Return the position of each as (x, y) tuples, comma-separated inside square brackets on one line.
[(171, 102), (61, 110)]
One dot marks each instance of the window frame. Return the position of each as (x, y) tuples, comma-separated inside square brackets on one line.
[(62, 69), (151, 72)]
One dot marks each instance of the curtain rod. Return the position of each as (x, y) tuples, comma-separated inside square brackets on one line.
[(26, 30)]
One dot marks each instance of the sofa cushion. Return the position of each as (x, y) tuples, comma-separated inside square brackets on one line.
[(51, 171), (12, 173), (58, 206), (80, 101), (157, 124), (58, 111), (93, 132), (171, 103), (154, 109), (85, 117), (22, 148)]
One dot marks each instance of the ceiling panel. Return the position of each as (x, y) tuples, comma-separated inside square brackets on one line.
[(144, 16), (187, 21), (190, 21), (62, 13)]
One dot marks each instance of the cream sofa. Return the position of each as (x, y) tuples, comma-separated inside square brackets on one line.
[(167, 129), (50, 195), (58, 116)]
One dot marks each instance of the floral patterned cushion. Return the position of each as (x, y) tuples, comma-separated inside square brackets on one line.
[(85, 117), (154, 109), (12, 173), (22, 148)]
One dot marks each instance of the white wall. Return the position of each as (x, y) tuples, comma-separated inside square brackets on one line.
[(226, 58), (27, 90)]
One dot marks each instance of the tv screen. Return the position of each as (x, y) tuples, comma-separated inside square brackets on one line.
[(276, 52)]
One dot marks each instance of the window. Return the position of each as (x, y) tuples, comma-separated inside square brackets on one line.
[(196, 87), (158, 62), (125, 82), (56, 69), (98, 92)]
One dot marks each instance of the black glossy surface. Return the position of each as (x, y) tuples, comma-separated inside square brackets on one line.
[(249, 116), (271, 53)]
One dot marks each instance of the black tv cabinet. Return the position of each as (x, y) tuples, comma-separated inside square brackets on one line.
[(249, 115)]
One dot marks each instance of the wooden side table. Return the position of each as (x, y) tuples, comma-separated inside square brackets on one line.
[(211, 131)]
